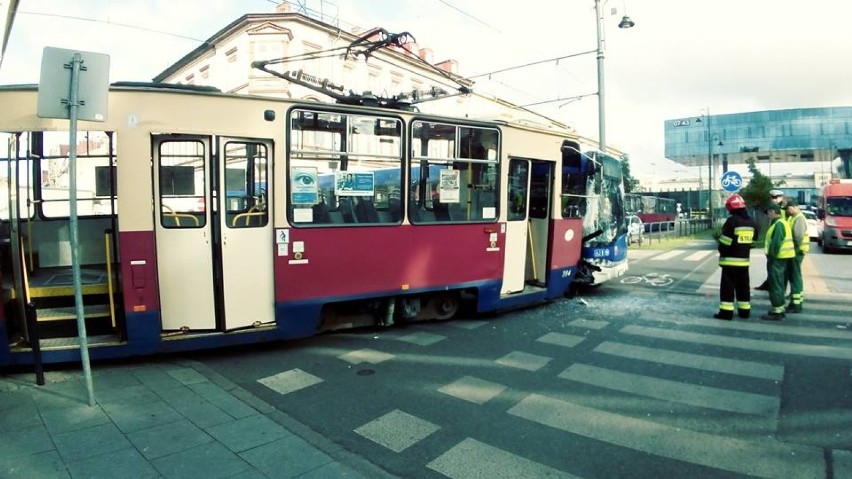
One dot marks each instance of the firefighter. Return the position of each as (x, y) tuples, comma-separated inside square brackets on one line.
[(776, 197), (779, 253), (734, 249), (802, 243)]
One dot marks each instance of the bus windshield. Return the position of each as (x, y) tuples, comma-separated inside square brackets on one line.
[(605, 210)]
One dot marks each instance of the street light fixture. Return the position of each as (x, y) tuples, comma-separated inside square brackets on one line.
[(626, 22)]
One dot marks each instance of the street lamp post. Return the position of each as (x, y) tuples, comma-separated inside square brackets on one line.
[(626, 22), (710, 138)]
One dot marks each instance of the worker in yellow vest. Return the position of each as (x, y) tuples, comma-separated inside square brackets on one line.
[(802, 243), (780, 251), (775, 197)]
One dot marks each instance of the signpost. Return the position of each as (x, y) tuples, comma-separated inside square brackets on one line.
[(64, 92)]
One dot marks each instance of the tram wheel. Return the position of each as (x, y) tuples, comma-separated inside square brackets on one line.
[(446, 305)]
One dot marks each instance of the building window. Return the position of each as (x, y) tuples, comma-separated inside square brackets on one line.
[(231, 55), (205, 72), (190, 79)]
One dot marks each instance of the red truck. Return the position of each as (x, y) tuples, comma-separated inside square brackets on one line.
[(836, 212)]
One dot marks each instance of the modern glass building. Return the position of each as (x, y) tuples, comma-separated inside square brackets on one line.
[(802, 147)]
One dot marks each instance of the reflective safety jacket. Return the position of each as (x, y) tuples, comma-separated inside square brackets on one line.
[(779, 240), (799, 227), (736, 239)]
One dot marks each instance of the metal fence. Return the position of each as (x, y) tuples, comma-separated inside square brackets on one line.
[(675, 229)]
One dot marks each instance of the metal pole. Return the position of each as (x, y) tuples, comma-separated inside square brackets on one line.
[(709, 169), (73, 103), (601, 87)]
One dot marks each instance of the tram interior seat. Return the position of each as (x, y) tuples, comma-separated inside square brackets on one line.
[(413, 212), (441, 210), (365, 211), (395, 210), (321, 213), (346, 210), (457, 212)]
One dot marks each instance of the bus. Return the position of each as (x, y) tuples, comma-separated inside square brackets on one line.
[(209, 219), (652, 209), (598, 198)]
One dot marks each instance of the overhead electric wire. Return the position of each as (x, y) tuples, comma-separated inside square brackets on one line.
[(469, 15), (538, 62), (107, 22)]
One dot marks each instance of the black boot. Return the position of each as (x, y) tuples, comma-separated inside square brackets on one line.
[(764, 286), (793, 308), (726, 315), (743, 313), (770, 316)]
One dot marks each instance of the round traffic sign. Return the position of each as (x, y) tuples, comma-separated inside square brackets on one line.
[(731, 181)]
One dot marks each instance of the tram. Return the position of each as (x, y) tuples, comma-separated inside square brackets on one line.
[(652, 209), (209, 219)]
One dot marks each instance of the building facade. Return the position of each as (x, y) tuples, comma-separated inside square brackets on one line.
[(224, 61), (799, 149)]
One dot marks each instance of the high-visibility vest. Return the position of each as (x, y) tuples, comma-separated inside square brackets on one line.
[(788, 249), (805, 244)]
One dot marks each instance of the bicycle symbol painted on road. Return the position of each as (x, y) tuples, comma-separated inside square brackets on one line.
[(654, 279)]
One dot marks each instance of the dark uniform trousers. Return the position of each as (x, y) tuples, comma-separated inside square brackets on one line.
[(734, 286)]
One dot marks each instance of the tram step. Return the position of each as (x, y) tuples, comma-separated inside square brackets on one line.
[(64, 291), (70, 312)]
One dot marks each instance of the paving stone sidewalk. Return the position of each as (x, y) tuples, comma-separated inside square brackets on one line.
[(156, 419)]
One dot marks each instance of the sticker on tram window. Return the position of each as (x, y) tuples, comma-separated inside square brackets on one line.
[(449, 186), (304, 188), (347, 183)]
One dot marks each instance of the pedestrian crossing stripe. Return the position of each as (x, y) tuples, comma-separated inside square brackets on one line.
[(773, 372), (684, 393), (761, 458), (761, 345), (667, 255)]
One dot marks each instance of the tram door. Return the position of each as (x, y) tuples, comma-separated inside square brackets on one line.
[(213, 233), (528, 224), (514, 266)]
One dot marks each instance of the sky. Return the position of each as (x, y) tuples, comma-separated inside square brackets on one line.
[(681, 59)]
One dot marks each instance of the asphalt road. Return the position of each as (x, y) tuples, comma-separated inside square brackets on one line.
[(633, 379)]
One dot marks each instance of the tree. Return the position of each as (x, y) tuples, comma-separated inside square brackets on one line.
[(756, 193), (630, 183)]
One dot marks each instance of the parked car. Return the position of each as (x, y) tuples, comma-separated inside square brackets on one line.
[(814, 225), (635, 229)]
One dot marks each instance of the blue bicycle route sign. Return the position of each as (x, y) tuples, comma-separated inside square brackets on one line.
[(731, 181)]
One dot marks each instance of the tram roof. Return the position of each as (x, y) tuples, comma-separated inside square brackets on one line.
[(213, 91)]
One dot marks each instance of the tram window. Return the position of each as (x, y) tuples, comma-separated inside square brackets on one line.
[(519, 175), (16, 146), (344, 169), (453, 172), (182, 179), (95, 152), (246, 170)]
